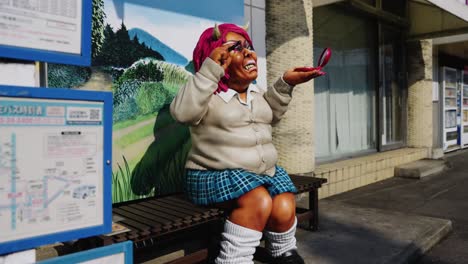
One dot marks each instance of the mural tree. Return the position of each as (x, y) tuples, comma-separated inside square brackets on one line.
[(119, 50), (97, 29)]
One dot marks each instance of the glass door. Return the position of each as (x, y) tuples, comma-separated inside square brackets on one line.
[(391, 92)]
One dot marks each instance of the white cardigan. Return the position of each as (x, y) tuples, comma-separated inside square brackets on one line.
[(229, 135)]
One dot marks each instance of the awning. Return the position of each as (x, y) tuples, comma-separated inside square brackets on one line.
[(443, 21), (456, 7)]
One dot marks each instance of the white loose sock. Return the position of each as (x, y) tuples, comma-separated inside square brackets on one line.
[(278, 243), (238, 244)]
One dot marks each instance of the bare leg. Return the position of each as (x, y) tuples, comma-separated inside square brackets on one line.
[(243, 230), (252, 209), (281, 230), (283, 213)]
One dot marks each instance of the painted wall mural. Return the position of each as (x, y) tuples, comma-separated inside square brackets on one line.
[(142, 52)]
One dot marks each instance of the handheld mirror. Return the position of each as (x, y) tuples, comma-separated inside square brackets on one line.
[(322, 61)]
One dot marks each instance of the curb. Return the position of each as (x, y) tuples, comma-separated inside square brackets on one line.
[(419, 247)]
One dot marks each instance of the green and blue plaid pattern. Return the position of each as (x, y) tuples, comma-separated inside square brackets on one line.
[(204, 187)]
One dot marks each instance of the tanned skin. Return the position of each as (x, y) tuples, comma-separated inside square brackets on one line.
[(256, 209)]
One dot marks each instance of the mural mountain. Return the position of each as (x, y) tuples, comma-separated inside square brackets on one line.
[(155, 44)]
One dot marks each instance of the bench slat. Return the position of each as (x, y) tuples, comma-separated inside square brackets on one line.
[(172, 212), (205, 213), (181, 200), (146, 217), (176, 211), (160, 215), (133, 224), (170, 204), (176, 221), (130, 218)]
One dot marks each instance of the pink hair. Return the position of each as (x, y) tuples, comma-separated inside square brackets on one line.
[(206, 44)]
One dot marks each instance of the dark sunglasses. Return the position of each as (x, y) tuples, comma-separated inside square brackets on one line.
[(239, 46)]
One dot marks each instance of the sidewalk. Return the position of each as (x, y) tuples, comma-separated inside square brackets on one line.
[(394, 221), (354, 234)]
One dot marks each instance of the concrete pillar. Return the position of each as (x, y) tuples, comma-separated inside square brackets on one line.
[(289, 44), (420, 77)]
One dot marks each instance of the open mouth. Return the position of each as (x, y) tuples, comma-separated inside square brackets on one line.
[(250, 66)]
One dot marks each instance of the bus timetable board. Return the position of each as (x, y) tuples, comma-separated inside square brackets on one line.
[(56, 31), (55, 165)]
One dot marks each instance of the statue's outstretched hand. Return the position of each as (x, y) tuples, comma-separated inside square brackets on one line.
[(300, 75)]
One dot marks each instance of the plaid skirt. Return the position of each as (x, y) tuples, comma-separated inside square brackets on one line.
[(205, 187)]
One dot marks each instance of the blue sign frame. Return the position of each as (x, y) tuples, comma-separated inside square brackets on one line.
[(125, 247), (82, 59), (72, 95)]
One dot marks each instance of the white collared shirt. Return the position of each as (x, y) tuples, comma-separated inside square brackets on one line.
[(227, 96)]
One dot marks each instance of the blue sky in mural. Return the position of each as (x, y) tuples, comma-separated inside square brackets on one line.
[(176, 23)]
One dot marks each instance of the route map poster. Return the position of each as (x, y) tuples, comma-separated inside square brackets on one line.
[(51, 166)]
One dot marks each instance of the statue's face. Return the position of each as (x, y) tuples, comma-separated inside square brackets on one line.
[(243, 67)]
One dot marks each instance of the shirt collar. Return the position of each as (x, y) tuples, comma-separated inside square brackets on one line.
[(227, 96)]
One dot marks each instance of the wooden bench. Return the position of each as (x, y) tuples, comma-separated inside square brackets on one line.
[(170, 223)]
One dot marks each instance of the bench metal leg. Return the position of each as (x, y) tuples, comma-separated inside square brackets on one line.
[(313, 206)]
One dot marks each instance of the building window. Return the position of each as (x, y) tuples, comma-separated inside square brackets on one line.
[(345, 98), (360, 103)]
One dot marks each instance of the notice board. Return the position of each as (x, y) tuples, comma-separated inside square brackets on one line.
[(47, 30), (55, 165)]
